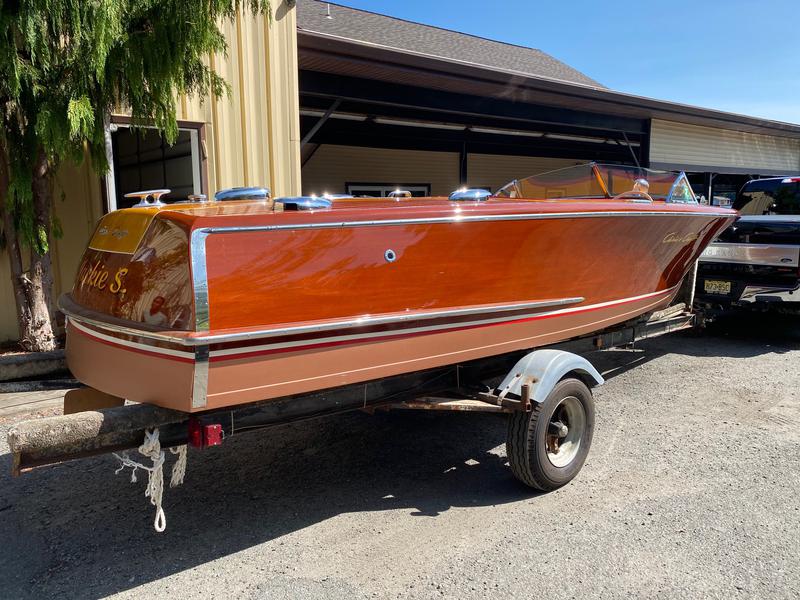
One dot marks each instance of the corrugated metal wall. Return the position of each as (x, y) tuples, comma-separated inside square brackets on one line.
[(679, 144), (332, 166), (252, 137)]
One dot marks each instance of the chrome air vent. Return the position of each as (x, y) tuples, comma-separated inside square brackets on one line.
[(243, 193), (304, 202), (471, 194)]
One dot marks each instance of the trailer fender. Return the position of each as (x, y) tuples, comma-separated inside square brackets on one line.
[(543, 369)]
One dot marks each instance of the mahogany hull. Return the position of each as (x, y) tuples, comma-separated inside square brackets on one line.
[(297, 303)]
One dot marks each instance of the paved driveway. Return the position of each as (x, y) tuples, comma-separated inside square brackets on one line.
[(692, 489)]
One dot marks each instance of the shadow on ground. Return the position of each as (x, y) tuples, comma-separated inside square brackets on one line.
[(77, 521)]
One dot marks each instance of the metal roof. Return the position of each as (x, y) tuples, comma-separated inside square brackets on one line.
[(390, 32)]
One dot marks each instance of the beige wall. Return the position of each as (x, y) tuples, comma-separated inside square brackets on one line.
[(685, 145), (78, 206), (332, 166), (494, 171), (252, 138)]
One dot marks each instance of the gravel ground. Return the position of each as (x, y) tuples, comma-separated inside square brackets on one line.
[(692, 489)]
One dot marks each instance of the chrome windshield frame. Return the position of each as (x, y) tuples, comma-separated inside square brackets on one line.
[(595, 171), (681, 176)]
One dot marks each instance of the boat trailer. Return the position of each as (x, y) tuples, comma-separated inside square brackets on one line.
[(519, 384)]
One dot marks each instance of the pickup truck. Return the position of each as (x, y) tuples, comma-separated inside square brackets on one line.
[(755, 263)]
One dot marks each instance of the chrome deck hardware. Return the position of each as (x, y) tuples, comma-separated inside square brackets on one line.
[(197, 198), (397, 194), (148, 198)]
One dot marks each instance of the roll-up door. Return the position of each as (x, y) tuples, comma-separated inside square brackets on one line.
[(697, 148)]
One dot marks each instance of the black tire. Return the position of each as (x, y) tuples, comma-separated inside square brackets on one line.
[(527, 441)]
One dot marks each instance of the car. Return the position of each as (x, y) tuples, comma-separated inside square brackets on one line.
[(755, 263)]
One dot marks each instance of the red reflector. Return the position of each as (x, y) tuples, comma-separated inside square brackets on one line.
[(212, 434), (202, 436)]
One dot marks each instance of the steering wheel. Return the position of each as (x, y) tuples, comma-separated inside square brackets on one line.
[(633, 195)]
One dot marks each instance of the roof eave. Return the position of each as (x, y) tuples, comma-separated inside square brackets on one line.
[(599, 99)]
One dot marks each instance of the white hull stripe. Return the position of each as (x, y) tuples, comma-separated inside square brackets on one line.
[(233, 352), (134, 345)]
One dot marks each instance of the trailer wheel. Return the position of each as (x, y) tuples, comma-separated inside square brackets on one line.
[(547, 446)]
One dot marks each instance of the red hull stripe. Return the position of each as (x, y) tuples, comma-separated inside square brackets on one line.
[(233, 354), (130, 346)]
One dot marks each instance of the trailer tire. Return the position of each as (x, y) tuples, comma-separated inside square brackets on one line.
[(542, 453)]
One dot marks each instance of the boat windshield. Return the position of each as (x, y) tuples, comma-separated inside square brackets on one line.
[(594, 180)]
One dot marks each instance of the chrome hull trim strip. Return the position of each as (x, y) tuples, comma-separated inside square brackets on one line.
[(200, 382), (770, 255), (365, 321), (197, 249), (459, 219)]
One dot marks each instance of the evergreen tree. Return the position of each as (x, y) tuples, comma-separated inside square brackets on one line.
[(65, 65)]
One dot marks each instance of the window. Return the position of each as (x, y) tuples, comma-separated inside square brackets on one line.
[(140, 159), (382, 190), (770, 197)]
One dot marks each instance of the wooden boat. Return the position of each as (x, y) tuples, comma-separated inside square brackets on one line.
[(203, 305)]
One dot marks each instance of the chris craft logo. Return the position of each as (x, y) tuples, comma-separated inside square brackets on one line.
[(677, 238), (97, 276), (116, 233)]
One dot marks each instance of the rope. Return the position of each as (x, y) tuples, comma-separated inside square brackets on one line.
[(179, 468), (151, 448)]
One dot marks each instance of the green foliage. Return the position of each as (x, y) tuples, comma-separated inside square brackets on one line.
[(67, 64), (56, 228)]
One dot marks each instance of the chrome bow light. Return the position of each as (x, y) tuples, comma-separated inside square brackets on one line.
[(470, 194), (148, 198)]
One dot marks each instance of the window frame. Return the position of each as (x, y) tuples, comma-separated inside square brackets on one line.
[(411, 187)]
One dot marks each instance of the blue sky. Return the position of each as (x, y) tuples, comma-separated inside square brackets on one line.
[(732, 55)]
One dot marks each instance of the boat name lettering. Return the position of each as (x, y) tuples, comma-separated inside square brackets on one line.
[(677, 238), (96, 275)]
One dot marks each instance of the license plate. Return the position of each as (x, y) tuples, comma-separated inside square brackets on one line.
[(717, 287)]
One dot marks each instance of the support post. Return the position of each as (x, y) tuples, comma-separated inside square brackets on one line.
[(462, 165)]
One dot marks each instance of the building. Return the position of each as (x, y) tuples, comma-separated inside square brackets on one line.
[(327, 98)]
